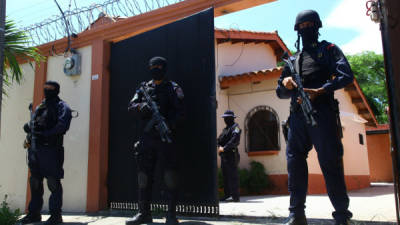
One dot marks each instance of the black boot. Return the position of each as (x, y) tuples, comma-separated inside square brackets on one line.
[(223, 199), (143, 216), (296, 220), (171, 219), (54, 219), (30, 218), (346, 222), (140, 218)]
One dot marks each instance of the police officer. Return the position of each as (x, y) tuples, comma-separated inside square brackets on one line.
[(323, 69), (228, 142), (48, 124), (169, 99)]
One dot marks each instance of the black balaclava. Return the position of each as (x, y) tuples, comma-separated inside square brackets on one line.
[(229, 120), (158, 73), (50, 94), (309, 36)]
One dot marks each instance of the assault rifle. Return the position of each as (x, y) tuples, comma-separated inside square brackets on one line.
[(305, 105), (157, 119)]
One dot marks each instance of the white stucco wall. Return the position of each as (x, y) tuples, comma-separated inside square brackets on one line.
[(13, 164), (240, 58), (242, 99), (76, 92)]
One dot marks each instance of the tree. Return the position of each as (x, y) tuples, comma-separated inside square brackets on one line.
[(16, 47), (368, 68)]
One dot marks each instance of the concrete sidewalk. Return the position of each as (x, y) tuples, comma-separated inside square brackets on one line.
[(371, 206), (375, 203), (119, 220)]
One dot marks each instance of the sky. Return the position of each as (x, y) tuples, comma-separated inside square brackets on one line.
[(344, 21)]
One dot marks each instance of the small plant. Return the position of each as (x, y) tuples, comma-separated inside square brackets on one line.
[(220, 183), (220, 179), (7, 216), (244, 176), (258, 179), (251, 181)]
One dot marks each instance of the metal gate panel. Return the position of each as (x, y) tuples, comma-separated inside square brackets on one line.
[(188, 45)]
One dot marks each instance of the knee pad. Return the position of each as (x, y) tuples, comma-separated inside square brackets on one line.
[(35, 182), (142, 180), (171, 179), (53, 184)]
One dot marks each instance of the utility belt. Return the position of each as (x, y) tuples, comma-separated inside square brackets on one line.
[(323, 99), (235, 150), (47, 142)]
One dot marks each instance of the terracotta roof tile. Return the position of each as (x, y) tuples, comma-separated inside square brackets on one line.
[(224, 35), (354, 90), (379, 127), (253, 76), (252, 73)]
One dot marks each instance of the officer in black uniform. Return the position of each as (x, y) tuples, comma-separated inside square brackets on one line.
[(169, 98), (323, 69), (228, 142), (46, 129)]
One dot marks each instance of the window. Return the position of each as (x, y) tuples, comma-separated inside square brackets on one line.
[(361, 139), (262, 130)]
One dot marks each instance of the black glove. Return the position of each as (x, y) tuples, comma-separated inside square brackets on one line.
[(27, 129)]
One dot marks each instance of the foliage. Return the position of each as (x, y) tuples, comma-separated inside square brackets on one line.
[(220, 178), (7, 216), (258, 179), (16, 47), (251, 181), (368, 68), (244, 176), (280, 62)]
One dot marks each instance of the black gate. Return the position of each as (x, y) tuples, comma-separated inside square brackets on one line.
[(188, 45)]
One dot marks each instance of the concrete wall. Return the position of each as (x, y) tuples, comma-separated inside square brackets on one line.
[(242, 99), (241, 58), (13, 168), (235, 59), (380, 161), (355, 154), (13, 164), (76, 92)]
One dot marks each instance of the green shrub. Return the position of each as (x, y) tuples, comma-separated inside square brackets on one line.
[(258, 180), (220, 179), (244, 176), (220, 183), (253, 181), (7, 216)]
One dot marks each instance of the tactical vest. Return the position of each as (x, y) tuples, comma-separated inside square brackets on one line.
[(315, 69), (45, 118), (313, 66)]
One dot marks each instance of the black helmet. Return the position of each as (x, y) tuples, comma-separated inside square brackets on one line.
[(55, 85), (158, 60), (307, 15)]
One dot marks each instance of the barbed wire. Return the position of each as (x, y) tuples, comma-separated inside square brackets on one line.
[(80, 19)]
